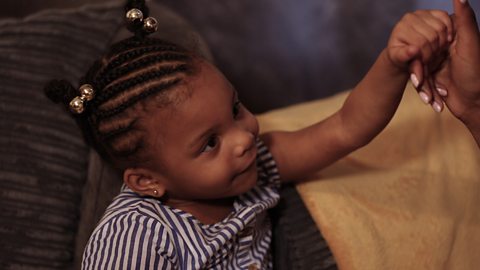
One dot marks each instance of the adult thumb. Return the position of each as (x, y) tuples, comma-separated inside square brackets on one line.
[(465, 22)]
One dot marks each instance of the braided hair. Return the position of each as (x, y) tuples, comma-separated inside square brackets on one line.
[(133, 70)]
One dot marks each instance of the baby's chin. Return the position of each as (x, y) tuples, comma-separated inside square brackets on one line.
[(245, 181)]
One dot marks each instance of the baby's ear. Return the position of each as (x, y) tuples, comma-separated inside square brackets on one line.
[(144, 182)]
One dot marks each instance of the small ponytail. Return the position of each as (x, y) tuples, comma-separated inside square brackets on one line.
[(60, 91)]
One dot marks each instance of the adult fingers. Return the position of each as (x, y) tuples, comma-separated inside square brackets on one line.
[(426, 90), (416, 73), (437, 100)]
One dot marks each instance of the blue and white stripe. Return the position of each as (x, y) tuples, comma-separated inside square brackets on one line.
[(141, 233)]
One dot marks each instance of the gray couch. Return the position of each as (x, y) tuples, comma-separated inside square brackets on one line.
[(53, 188)]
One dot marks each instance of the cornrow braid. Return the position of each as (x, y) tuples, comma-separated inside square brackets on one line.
[(121, 58), (115, 89), (111, 135), (127, 104), (134, 42), (144, 61)]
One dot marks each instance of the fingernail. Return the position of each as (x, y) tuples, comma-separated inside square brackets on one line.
[(463, 1), (424, 97), (442, 92), (414, 80), (437, 107), (450, 38)]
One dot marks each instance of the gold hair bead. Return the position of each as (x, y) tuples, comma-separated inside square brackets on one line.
[(150, 25), (77, 105), (86, 91), (134, 15)]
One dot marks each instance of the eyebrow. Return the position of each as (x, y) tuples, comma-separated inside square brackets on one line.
[(207, 132)]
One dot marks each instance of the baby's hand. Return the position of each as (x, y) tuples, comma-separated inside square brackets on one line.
[(420, 39)]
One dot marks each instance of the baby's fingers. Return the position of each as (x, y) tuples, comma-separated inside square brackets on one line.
[(403, 54), (446, 19), (425, 31), (440, 22)]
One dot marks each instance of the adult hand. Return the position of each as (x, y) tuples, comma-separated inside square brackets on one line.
[(457, 80), (460, 72), (454, 78)]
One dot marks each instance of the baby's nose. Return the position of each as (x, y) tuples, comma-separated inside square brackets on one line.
[(245, 142)]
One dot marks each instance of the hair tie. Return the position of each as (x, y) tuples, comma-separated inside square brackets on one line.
[(77, 105), (135, 18)]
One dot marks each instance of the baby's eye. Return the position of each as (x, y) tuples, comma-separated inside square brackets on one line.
[(211, 144), (236, 108)]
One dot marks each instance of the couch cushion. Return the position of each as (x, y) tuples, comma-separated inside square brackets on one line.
[(43, 159)]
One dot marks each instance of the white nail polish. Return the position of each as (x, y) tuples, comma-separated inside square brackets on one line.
[(437, 107), (424, 97), (442, 92), (414, 80)]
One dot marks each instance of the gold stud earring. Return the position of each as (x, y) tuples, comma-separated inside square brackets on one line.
[(155, 192)]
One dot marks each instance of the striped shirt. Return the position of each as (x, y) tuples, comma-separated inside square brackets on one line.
[(142, 233)]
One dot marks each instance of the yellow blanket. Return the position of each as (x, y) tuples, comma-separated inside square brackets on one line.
[(408, 200)]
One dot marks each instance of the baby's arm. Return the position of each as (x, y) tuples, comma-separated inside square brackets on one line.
[(370, 106)]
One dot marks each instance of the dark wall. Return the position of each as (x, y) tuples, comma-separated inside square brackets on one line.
[(280, 52)]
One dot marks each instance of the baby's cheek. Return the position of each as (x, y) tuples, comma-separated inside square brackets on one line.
[(217, 177)]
